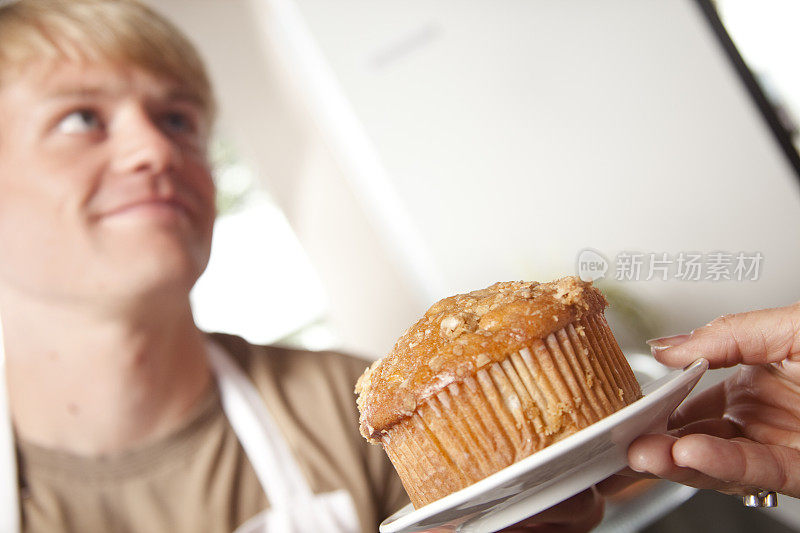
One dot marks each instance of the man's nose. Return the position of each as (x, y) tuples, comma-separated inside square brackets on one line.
[(141, 145)]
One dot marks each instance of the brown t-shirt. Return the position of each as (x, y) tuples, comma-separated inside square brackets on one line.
[(198, 479)]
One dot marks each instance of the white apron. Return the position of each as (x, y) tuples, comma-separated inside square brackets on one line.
[(293, 507)]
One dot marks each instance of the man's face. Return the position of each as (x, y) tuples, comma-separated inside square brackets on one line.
[(105, 190)]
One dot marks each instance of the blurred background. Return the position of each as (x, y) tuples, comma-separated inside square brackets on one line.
[(373, 157)]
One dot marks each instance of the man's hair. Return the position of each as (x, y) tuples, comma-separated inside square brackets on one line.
[(124, 32)]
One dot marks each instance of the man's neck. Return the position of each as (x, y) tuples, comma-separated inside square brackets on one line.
[(93, 386)]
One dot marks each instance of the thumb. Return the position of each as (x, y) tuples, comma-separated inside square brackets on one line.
[(752, 338)]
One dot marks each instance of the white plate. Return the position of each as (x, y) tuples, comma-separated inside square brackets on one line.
[(555, 473)]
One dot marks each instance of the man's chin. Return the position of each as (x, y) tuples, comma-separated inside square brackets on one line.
[(159, 274)]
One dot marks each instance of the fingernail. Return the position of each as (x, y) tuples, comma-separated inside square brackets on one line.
[(668, 342)]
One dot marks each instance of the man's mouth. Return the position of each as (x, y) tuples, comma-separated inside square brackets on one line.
[(150, 208)]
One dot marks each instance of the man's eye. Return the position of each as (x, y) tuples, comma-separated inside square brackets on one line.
[(81, 121), (178, 122)]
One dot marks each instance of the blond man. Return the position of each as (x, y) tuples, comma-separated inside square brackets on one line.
[(125, 416)]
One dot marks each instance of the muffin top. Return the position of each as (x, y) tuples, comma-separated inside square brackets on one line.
[(461, 334)]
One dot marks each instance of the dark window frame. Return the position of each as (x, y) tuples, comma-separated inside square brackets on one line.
[(779, 132)]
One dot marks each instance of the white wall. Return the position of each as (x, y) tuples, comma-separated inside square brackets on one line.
[(480, 141), (518, 132)]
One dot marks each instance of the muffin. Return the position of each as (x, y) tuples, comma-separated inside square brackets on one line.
[(489, 377)]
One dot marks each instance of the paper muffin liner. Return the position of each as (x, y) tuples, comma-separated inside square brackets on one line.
[(510, 409)]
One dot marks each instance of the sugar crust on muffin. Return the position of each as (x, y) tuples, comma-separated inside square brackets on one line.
[(461, 334)]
